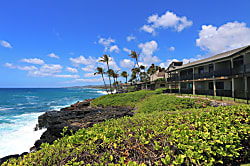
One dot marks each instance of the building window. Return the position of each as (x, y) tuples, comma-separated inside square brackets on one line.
[(211, 68), (183, 86), (162, 85), (201, 70), (219, 85), (210, 86)]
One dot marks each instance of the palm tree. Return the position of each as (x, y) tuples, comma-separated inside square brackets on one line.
[(136, 71), (135, 56), (100, 70), (133, 77), (116, 75), (105, 59), (111, 73), (125, 75)]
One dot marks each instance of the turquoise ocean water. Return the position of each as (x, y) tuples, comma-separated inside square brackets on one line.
[(20, 108)]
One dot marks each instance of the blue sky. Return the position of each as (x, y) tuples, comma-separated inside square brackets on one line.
[(57, 43)]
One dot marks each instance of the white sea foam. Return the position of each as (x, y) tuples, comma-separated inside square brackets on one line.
[(21, 137), (5, 109), (105, 92), (57, 108)]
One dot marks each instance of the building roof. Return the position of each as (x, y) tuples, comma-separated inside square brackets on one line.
[(212, 58), (161, 74)]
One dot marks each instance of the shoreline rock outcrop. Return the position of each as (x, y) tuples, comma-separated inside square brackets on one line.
[(77, 116)]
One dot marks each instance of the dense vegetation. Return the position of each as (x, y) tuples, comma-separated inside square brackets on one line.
[(193, 136), (125, 99)]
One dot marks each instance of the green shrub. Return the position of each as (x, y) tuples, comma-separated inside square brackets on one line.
[(170, 103), (124, 99), (210, 136)]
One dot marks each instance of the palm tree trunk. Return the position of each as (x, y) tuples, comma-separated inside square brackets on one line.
[(104, 83), (109, 79), (114, 82)]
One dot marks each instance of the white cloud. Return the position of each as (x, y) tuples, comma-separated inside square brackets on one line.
[(185, 60), (171, 48), (148, 29), (167, 63), (72, 70), (127, 63), (226, 37), (114, 48), (35, 61), (9, 65), (106, 42), (66, 76), (127, 50), (5, 44), (82, 60), (46, 70), (53, 55), (89, 75), (148, 49), (89, 68), (167, 20), (112, 64), (92, 80), (27, 68), (130, 38)]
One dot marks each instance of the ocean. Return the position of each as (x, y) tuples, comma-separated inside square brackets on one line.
[(20, 108)]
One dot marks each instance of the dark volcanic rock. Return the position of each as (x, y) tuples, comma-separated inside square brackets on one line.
[(2, 160), (77, 116)]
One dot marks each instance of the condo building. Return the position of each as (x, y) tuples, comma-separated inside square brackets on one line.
[(225, 74)]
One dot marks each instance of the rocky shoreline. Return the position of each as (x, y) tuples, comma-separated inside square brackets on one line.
[(77, 116)]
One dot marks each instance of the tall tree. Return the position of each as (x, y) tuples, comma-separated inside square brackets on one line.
[(125, 75), (135, 56), (111, 73), (105, 59), (100, 70)]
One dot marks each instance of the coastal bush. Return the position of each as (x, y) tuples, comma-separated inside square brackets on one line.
[(124, 99), (170, 103), (208, 136)]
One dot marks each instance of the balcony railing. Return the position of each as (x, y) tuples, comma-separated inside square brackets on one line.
[(171, 79), (247, 68), (186, 77), (187, 91), (225, 93), (203, 75), (238, 70), (204, 92), (223, 73)]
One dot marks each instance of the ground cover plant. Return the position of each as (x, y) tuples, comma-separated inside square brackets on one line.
[(163, 102), (125, 99), (194, 136)]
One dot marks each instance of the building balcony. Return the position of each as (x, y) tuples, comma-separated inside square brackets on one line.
[(186, 77), (203, 75), (238, 70), (204, 92), (221, 73), (225, 93), (247, 68), (171, 79), (187, 91)]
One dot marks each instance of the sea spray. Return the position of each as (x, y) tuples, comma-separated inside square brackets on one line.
[(20, 108)]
